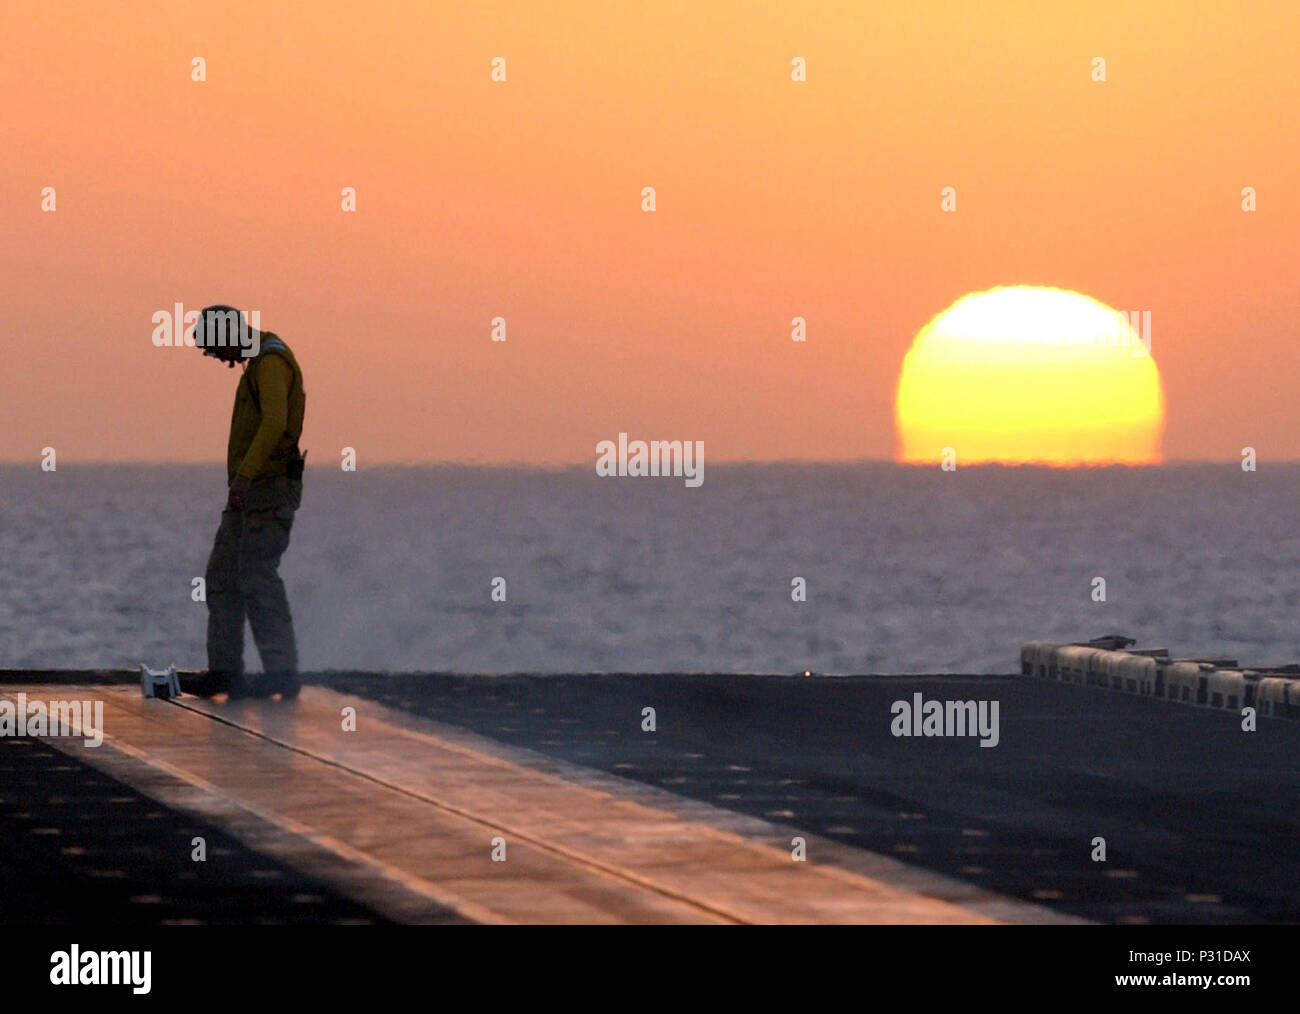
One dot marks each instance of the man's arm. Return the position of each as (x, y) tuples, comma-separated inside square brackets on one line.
[(274, 376)]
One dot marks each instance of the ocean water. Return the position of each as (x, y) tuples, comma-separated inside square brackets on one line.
[(907, 569)]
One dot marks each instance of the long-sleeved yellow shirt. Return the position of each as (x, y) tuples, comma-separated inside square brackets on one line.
[(267, 419)]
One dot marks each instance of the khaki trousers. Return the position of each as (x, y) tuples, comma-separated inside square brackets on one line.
[(243, 580)]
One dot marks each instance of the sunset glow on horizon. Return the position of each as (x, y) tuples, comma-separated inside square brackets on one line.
[(1024, 374), (800, 157)]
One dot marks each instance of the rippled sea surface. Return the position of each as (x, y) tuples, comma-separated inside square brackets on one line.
[(907, 569)]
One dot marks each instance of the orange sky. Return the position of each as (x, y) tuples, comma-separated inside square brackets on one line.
[(522, 200)]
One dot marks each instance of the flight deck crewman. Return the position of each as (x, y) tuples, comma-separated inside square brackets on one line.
[(264, 474)]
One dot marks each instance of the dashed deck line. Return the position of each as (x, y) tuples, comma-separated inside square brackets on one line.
[(420, 811)]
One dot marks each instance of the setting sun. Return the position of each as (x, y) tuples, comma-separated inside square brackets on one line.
[(1029, 374)]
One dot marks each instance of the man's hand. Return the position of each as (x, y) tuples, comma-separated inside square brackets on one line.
[(235, 502)]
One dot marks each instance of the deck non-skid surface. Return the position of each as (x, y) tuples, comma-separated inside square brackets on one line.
[(424, 813), (1199, 816), (81, 848)]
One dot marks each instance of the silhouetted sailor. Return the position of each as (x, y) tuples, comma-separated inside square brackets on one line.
[(264, 471)]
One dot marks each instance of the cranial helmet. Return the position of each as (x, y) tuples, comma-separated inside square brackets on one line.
[(219, 327)]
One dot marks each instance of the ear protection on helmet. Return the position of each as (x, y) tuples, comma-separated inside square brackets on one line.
[(218, 326)]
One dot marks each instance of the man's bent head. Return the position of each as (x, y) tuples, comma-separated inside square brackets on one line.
[(223, 332)]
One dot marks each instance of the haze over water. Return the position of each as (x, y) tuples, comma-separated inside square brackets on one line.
[(908, 569)]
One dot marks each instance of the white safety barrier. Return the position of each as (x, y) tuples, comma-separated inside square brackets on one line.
[(1185, 681), (1188, 681), (1109, 670), (1072, 661), (1271, 694), (1097, 667), (1036, 657), (1138, 674), (1226, 688)]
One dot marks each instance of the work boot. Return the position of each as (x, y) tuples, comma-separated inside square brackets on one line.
[(211, 684), (237, 688), (286, 684)]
